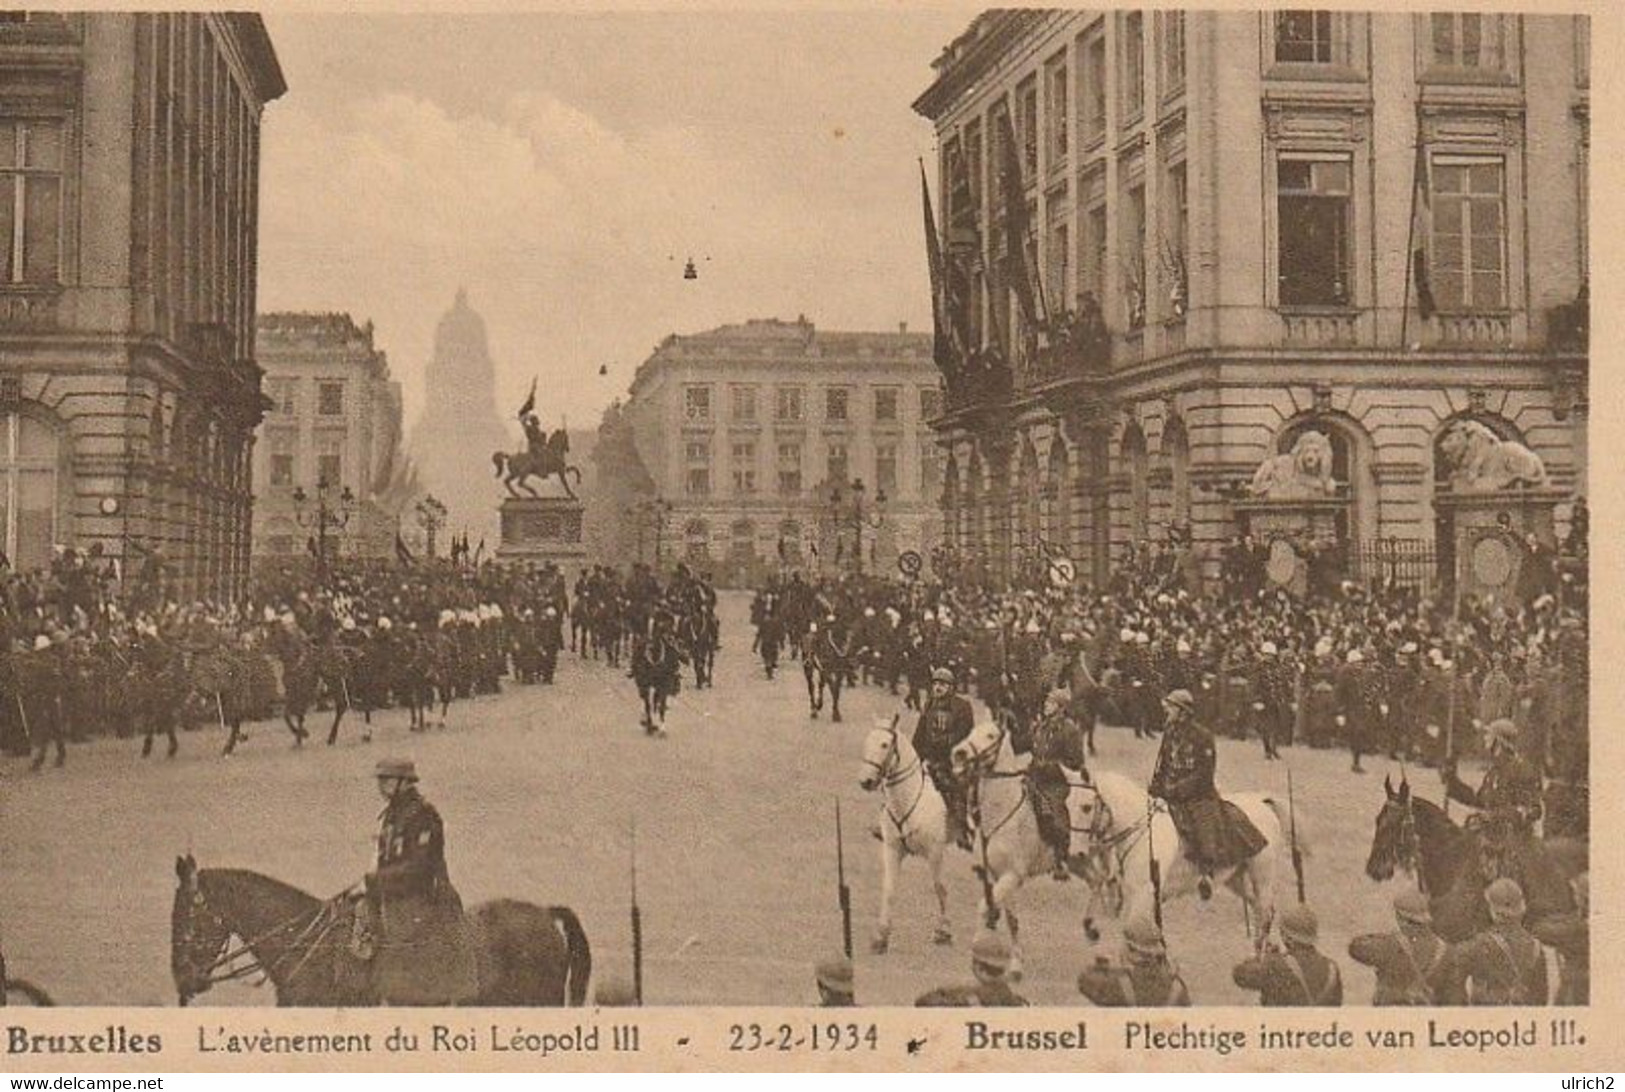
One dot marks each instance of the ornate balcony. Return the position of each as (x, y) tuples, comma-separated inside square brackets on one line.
[(1315, 329)]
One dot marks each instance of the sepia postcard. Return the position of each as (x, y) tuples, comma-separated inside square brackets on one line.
[(583, 538)]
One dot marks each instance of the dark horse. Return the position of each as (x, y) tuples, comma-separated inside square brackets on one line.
[(657, 668), (528, 955), (698, 632), (1454, 864), (827, 655)]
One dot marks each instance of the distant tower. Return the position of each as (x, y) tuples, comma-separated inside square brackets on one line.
[(461, 426)]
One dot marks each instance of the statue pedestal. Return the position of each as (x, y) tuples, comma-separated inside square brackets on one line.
[(1284, 526), (542, 529), (1487, 531)]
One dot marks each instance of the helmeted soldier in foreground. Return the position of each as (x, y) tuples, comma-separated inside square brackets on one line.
[(1143, 979), (1057, 758), (835, 987), (944, 723), (1215, 834), (1508, 798), (1299, 977), (990, 960), (1408, 961), (1502, 965), (422, 952)]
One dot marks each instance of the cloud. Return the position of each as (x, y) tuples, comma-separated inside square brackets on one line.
[(569, 233)]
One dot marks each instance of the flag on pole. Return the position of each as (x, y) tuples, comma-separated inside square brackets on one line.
[(1018, 229), (310, 547), (402, 554), (530, 400), (1421, 229), (947, 349)]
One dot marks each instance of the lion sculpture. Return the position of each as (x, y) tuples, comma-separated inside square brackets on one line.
[(1304, 473), (1482, 462)]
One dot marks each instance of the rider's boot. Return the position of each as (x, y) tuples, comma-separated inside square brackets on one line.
[(1059, 870), (1204, 886)]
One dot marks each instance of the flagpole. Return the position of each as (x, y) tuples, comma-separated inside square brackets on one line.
[(1410, 234)]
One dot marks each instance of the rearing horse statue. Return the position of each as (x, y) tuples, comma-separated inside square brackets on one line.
[(541, 460)]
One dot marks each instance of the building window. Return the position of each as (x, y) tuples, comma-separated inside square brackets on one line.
[(886, 469), (1055, 107), (1132, 62), (742, 544), (1314, 203), (744, 467), (330, 399), (973, 164), (930, 403), (1094, 85), (697, 540), (930, 470), (1304, 37), (1472, 42), (790, 470), (1094, 252), (835, 466), (697, 403), (788, 407), (835, 404), (30, 202), (886, 404), (1171, 50), (1059, 254), (1134, 256), (697, 483), (330, 459), (1467, 268), (281, 393), (283, 442), (1027, 121), (30, 453), (1177, 268), (744, 403)]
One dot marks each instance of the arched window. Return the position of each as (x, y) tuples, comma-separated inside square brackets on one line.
[(697, 540), (1058, 497), (1139, 487), (742, 542), (1176, 445), (30, 503), (790, 542)]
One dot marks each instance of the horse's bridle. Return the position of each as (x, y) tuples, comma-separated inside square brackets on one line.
[(890, 774), (205, 976)]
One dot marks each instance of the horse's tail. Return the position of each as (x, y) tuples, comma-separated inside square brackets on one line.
[(33, 994), (497, 460), (1292, 834), (579, 967), (576, 470)]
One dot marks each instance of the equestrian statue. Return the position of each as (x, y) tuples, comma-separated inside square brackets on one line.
[(545, 455)]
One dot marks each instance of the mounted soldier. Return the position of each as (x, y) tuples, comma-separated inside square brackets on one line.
[(1508, 799), (944, 723), (1057, 758), (413, 927), (1214, 833)]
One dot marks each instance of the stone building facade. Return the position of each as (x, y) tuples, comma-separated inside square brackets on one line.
[(749, 431), (335, 417), (1241, 226), (129, 173)]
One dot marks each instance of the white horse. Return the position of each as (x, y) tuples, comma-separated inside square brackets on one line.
[(1009, 849), (1126, 834), (1112, 816), (914, 822)]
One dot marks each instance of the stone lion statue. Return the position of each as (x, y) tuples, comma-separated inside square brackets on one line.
[(1482, 462), (1303, 473)]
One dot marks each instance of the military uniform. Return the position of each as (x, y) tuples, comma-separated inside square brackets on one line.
[(423, 953), (1144, 979), (1503, 965), (1299, 977), (1408, 961), (1215, 833), (944, 723)]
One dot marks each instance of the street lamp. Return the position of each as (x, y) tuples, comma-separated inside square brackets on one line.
[(326, 519), (858, 521), (652, 511), (431, 517)]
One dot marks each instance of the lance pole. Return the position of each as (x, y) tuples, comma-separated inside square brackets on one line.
[(1155, 865), (1292, 820), (637, 923), (843, 892)]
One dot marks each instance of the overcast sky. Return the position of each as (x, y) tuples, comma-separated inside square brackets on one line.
[(563, 166)]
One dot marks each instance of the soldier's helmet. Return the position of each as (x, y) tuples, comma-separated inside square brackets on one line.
[(1180, 699), (402, 769), (990, 953), (1502, 731), (1505, 900), (1143, 939), (1412, 907), (942, 675), (1299, 925), (835, 975)]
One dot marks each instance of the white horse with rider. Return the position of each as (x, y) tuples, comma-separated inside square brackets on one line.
[(1122, 834), (913, 822)]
